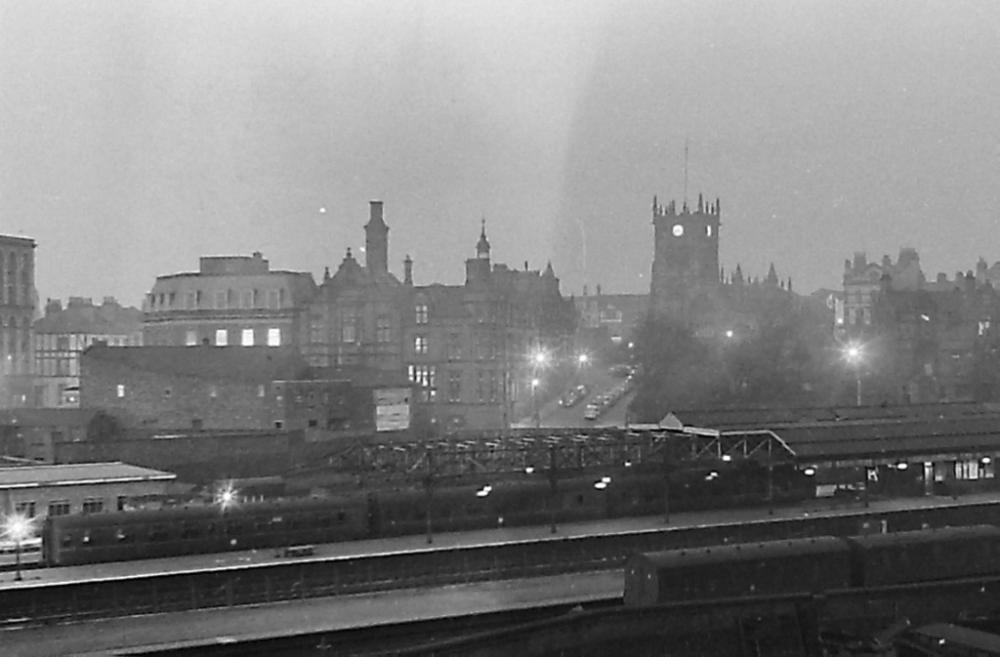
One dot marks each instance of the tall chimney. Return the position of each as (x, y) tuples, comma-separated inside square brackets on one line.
[(408, 270), (376, 241)]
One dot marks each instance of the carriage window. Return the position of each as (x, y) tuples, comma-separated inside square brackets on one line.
[(122, 536)]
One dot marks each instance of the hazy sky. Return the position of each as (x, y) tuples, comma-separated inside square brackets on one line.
[(136, 136)]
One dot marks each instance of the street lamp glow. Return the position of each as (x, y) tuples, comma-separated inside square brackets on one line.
[(17, 528), (540, 358), (226, 496), (853, 353), (583, 359), (729, 333), (529, 470), (534, 383)]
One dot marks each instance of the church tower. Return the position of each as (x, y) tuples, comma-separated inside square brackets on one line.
[(685, 259), (477, 270), (376, 241)]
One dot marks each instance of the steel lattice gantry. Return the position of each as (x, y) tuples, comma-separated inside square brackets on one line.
[(560, 449)]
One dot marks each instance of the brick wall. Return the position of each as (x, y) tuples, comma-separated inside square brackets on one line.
[(169, 401)]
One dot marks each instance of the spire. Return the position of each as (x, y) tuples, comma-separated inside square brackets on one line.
[(772, 276), (326, 274), (483, 245), (549, 273), (701, 204)]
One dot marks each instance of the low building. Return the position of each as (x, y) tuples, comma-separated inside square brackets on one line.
[(62, 334), (210, 388), (35, 433), (57, 490)]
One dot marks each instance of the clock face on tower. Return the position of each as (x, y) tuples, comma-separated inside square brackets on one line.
[(677, 230)]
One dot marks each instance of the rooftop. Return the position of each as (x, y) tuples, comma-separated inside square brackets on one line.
[(33, 476)]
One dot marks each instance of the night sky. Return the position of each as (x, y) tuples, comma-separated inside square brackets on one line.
[(137, 136)]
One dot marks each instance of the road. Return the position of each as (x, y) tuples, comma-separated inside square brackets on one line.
[(598, 380)]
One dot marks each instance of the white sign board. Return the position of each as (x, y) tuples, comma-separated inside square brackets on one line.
[(392, 409)]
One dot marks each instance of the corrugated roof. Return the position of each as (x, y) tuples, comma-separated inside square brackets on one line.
[(79, 473), (893, 437), (255, 364)]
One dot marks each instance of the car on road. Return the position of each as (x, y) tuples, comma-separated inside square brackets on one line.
[(573, 396)]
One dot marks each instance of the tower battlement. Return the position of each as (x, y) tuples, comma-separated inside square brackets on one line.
[(670, 209)]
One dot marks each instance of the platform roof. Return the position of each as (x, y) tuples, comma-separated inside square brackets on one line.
[(38, 476)]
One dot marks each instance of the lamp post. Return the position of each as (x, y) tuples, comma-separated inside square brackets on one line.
[(226, 497), (854, 355), (535, 412), (17, 527)]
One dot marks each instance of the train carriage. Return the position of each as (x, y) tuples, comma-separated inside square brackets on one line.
[(722, 571)]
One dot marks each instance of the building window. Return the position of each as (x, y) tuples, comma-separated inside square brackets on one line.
[(220, 300), (984, 326), (59, 508), (121, 503), (454, 347), (246, 299), (246, 337), (191, 338), (121, 391), (167, 392), (424, 375), (261, 390), (708, 231), (349, 328), (420, 344), (383, 330), (272, 299), (274, 337), (454, 386), (93, 505), (481, 386), (192, 301), (26, 509), (213, 391), (221, 337), (421, 313)]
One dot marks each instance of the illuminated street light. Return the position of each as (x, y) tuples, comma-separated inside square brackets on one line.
[(226, 496), (540, 358), (726, 458), (854, 354), (730, 333), (810, 471), (529, 469), (17, 528), (583, 359), (484, 491)]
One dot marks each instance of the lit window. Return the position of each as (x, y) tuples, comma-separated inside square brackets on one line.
[(121, 390), (213, 391), (191, 338), (708, 230), (221, 337), (421, 313), (274, 337), (261, 389), (420, 344), (246, 338)]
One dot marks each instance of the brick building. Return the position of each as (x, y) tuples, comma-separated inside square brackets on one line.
[(202, 387), (468, 346), (35, 433), (17, 311), (230, 300), (62, 334)]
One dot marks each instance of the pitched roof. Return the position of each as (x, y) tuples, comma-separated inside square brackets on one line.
[(33, 476), (258, 364)]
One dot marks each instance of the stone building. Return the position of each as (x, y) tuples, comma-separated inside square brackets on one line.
[(686, 274), (468, 347), (17, 310), (863, 281), (230, 300), (61, 335), (355, 317)]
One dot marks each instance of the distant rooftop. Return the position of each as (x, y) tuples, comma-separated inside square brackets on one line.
[(34, 476)]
